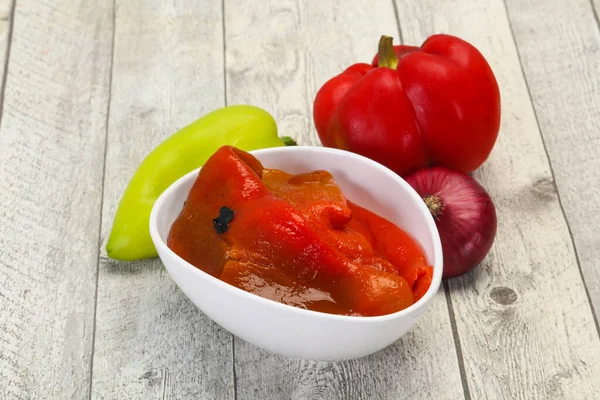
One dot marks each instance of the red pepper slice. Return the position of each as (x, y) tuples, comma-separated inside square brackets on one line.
[(399, 248), (291, 239)]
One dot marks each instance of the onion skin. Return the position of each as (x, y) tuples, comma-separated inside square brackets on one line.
[(464, 214)]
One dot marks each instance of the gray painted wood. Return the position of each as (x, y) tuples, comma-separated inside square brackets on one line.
[(543, 345), (277, 57), (557, 42), (51, 156), (525, 325), (151, 341)]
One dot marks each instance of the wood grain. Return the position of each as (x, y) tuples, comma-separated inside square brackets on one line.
[(277, 57), (566, 97), (51, 158), (151, 341), (523, 318)]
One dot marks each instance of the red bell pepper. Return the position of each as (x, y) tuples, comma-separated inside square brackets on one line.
[(438, 104)]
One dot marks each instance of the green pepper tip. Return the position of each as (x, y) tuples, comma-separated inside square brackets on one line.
[(288, 141)]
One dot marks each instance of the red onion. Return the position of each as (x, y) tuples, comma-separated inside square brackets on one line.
[(464, 214)]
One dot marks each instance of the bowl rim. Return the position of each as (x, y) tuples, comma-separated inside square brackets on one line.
[(422, 303)]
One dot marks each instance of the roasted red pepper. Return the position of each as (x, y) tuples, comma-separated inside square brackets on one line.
[(438, 104), (296, 239)]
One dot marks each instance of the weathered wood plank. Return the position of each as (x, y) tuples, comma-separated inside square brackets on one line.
[(151, 342), (544, 345), (51, 158), (559, 45), (277, 57)]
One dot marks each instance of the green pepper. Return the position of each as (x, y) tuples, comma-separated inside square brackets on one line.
[(243, 126)]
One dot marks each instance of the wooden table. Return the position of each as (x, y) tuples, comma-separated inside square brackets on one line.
[(91, 86)]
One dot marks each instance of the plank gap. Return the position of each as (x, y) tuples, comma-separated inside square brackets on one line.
[(400, 36), (595, 12), (225, 101), (457, 346), (100, 255), (235, 392), (224, 57), (7, 57)]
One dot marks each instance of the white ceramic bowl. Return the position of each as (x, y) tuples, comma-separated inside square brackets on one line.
[(292, 331)]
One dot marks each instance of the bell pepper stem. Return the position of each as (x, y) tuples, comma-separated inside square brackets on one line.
[(386, 55), (288, 141)]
